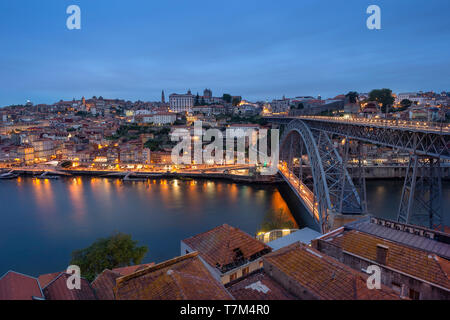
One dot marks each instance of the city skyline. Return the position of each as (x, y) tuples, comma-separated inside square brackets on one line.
[(264, 52)]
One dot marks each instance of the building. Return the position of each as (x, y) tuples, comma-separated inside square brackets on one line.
[(105, 282), (57, 289), (18, 286), (310, 275), (228, 253), (414, 261), (180, 103), (181, 278)]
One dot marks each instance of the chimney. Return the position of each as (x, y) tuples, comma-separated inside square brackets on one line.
[(382, 252)]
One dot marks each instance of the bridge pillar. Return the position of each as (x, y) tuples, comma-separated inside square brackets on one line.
[(421, 201)]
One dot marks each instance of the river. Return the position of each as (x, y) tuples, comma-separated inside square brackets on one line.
[(43, 221)]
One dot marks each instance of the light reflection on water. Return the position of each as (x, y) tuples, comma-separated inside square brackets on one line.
[(43, 221), (49, 219)]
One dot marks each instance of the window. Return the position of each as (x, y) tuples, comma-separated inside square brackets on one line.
[(397, 287), (245, 271), (414, 295), (233, 276)]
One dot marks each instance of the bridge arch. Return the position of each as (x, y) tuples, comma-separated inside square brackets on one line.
[(334, 191)]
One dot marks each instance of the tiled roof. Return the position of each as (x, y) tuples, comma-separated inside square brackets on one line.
[(418, 263), (223, 245), (323, 276), (124, 271), (406, 238), (259, 286), (45, 279), (105, 282), (181, 278), (58, 290), (17, 286)]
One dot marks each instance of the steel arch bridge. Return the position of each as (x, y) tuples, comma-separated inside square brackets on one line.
[(333, 189), (427, 144)]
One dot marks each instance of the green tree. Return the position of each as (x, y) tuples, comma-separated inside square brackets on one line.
[(236, 101), (405, 103), (226, 97), (276, 219), (352, 96), (116, 251), (383, 96)]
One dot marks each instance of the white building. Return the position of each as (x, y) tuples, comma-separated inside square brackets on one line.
[(181, 102)]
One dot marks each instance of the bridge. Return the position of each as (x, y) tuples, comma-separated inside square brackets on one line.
[(328, 191)]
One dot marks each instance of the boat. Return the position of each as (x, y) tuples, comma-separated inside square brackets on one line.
[(48, 177), (9, 175)]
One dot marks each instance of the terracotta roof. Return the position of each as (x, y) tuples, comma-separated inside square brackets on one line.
[(124, 271), (224, 246), (323, 276), (57, 290), (259, 286), (45, 279), (17, 286), (181, 278), (415, 262), (105, 282)]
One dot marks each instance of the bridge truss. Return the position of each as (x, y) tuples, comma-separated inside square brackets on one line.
[(421, 200), (333, 188)]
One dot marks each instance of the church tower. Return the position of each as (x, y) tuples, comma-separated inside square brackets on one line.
[(163, 98)]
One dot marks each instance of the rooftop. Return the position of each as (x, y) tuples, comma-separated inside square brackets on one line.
[(415, 262), (226, 247), (259, 286), (323, 276), (17, 286), (58, 290), (181, 278), (409, 235)]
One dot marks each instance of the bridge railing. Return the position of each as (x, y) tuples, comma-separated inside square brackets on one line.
[(404, 124)]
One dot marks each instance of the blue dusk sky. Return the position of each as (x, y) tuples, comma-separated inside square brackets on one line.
[(255, 48)]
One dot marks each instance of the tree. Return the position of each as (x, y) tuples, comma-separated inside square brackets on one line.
[(118, 250), (383, 96), (276, 219), (226, 97), (405, 103), (352, 96), (236, 101)]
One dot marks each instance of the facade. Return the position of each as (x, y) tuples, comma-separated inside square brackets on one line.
[(413, 260), (180, 103), (228, 253)]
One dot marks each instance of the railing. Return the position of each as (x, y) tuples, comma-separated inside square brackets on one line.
[(303, 191), (403, 124)]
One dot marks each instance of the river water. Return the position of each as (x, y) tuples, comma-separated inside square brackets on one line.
[(43, 221)]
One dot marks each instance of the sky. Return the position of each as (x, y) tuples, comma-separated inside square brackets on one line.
[(260, 49)]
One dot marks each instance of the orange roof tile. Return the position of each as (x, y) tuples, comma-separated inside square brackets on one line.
[(259, 286), (181, 278), (415, 262), (45, 279), (105, 282), (224, 246), (58, 290), (323, 276), (17, 286)]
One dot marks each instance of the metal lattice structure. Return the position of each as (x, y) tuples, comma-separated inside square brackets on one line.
[(421, 201), (334, 190), (423, 140), (428, 144)]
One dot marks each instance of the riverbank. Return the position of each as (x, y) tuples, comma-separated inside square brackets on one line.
[(145, 175)]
